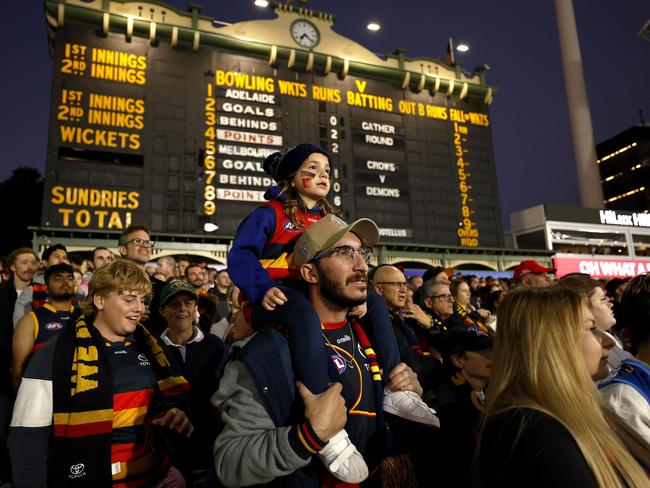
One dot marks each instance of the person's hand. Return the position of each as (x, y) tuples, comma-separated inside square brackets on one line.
[(326, 411), (483, 313), (273, 297), (176, 420), (359, 311), (414, 312), (402, 378)]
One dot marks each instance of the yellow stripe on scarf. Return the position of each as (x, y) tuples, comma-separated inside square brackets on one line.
[(171, 382), (88, 417), (85, 362)]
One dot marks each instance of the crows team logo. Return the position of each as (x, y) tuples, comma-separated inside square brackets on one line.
[(54, 326), (289, 227), (340, 363)]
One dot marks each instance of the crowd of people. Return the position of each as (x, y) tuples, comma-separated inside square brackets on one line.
[(302, 365)]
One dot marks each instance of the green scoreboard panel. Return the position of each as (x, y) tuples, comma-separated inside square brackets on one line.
[(174, 139)]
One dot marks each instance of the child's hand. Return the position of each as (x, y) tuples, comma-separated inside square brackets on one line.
[(359, 311), (273, 297)]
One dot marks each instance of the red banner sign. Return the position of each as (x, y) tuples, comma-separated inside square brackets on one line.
[(602, 268)]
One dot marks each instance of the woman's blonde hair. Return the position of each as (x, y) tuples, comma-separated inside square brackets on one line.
[(119, 276), (537, 363)]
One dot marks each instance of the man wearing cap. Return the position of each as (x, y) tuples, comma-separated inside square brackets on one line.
[(267, 435), (533, 274), (459, 400), (202, 358), (47, 321)]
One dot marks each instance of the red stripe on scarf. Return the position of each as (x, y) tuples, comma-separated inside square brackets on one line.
[(176, 390), (83, 430)]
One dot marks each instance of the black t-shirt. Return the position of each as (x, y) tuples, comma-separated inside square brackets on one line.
[(358, 388), (525, 447)]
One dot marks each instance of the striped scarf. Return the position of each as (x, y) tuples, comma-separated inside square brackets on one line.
[(82, 384), (471, 322), (369, 352)]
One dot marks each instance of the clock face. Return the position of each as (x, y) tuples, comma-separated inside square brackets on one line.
[(305, 33)]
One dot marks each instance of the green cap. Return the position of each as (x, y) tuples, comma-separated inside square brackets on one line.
[(175, 287)]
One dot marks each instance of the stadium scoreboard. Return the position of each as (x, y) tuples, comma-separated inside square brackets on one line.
[(173, 137)]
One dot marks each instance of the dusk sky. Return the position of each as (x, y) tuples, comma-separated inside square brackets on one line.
[(518, 40)]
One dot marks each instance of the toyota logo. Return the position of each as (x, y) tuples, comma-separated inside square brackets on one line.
[(142, 357), (77, 469)]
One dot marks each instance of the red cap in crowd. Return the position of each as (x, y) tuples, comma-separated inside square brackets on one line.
[(530, 266)]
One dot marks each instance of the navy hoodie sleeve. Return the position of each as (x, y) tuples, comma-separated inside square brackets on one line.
[(244, 265)]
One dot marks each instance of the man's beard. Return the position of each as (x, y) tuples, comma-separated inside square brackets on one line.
[(333, 291), (65, 295)]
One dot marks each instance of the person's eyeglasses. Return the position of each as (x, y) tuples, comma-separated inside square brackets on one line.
[(398, 284), (445, 296), (347, 253), (140, 242)]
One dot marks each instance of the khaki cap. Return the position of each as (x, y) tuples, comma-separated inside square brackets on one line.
[(322, 235)]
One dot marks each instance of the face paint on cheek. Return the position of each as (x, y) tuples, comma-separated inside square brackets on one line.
[(307, 177)]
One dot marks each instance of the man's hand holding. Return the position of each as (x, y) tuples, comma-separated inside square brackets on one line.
[(402, 378), (414, 312), (326, 411), (175, 419)]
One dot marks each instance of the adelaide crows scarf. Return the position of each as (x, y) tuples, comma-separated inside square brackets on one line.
[(82, 384)]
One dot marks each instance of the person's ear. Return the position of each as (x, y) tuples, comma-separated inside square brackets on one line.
[(428, 302), (122, 250), (98, 301), (457, 361), (309, 273)]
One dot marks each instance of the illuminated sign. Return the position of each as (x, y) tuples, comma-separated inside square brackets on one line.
[(93, 207), (612, 217), (601, 268)]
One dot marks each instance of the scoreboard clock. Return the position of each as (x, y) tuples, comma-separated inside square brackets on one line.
[(164, 120), (305, 33)]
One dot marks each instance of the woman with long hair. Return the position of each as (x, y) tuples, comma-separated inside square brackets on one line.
[(544, 424), (601, 307), (463, 308)]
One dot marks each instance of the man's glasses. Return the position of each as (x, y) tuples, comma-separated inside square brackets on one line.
[(397, 284), (346, 253), (448, 297), (140, 242)]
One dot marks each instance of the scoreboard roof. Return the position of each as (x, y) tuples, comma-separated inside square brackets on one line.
[(269, 39)]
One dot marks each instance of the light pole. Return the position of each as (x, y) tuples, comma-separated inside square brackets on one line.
[(584, 148)]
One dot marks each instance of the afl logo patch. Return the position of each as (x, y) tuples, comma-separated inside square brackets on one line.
[(340, 364), (289, 227), (53, 326)]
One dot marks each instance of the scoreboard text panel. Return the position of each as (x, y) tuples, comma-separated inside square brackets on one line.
[(173, 139)]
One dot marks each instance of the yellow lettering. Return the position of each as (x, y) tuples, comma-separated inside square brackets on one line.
[(65, 212), (361, 85), (115, 222), (82, 218), (57, 195), (133, 198), (101, 214)]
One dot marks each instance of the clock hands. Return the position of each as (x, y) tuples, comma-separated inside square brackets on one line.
[(305, 35)]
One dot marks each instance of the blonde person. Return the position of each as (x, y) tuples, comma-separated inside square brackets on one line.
[(544, 425), (602, 309)]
